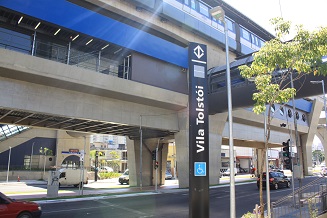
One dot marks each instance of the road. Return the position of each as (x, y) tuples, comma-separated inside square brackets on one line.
[(169, 202), (162, 205)]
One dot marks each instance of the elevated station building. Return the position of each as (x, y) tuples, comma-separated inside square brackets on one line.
[(73, 68)]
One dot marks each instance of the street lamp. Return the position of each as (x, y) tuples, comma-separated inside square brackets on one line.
[(323, 91), (219, 14)]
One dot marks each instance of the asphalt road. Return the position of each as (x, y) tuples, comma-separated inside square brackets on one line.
[(161, 205), (168, 203)]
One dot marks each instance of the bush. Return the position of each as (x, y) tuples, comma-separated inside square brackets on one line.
[(109, 175)]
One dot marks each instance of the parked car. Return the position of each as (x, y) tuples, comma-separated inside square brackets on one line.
[(227, 172), (10, 208), (124, 178), (106, 169), (323, 171), (168, 175), (276, 180)]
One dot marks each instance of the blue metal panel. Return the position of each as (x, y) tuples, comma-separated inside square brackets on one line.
[(232, 43), (79, 19), (245, 49), (216, 34), (172, 12), (302, 105)]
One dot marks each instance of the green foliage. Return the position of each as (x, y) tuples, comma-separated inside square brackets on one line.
[(92, 154), (109, 175), (46, 151), (302, 54), (274, 63), (249, 215), (318, 155)]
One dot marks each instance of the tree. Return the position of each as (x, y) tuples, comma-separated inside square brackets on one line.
[(318, 155), (273, 65)]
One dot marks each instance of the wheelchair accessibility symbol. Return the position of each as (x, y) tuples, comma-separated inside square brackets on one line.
[(200, 168)]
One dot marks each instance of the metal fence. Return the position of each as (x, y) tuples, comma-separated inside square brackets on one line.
[(67, 54), (307, 202)]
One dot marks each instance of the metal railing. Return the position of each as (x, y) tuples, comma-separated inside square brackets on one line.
[(92, 60), (307, 201)]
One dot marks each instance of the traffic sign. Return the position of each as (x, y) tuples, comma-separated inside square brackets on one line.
[(200, 168)]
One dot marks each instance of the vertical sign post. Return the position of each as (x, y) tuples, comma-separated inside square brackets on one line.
[(198, 132)]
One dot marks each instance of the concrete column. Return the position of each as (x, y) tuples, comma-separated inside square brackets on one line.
[(216, 128), (133, 161), (307, 139), (148, 171), (182, 149), (133, 150), (322, 135)]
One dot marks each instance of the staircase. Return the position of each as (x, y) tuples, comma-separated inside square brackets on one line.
[(307, 201)]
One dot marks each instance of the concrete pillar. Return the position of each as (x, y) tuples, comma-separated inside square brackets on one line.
[(216, 127), (72, 140), (182, 149), (322, 135), (148, 171), (307, 139), (133, 150)]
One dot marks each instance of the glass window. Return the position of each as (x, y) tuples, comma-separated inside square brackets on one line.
[(218, 21), (273, 108), (297, 116), (193, 5), (289, 112), (186, 2), (281, 110), (245, 34), (255, 40), (230, 25), (204, 9), (304, 118)]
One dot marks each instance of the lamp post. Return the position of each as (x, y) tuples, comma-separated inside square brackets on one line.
[(219, 14), (323, 91)]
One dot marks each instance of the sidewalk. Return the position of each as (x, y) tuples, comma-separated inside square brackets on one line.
[(107, 188)]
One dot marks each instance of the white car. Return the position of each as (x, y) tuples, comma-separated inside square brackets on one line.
[(227, 172)]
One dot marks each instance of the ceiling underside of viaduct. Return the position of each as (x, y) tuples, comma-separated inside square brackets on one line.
[(41, 120)]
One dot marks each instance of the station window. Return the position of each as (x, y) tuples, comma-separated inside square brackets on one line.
[(281, 111), (193, 5), (273, 108), (297, 116), (230, 25), (204, 10), (304, 118), (289, 112), (255, 40), (245, 34)]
